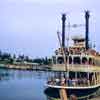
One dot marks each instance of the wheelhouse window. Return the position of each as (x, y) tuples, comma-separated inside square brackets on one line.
[(76, 60), (60, 60)]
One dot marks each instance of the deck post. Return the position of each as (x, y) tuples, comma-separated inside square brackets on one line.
[(99, 76), (76, 78), (72, 60), (81, 58), (94, 79), (68, 74), (88, 79), (56, 59), (75, 75)]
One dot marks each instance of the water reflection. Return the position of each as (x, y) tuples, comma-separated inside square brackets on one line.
[(13, 74), (4, 74), (23, 85)]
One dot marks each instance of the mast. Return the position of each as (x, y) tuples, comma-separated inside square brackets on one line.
[(87, 29)]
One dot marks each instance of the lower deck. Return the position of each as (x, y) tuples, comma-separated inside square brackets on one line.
[(74, 80)]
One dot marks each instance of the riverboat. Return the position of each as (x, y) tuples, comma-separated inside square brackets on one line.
[(77, 67)]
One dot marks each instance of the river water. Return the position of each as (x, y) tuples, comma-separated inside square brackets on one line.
[(22, 85)]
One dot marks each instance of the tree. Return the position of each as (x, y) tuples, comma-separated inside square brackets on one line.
[(14, 56)]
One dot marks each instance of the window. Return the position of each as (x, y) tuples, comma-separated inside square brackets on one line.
[(70, 60), (60, 60), (77, 60), (90, 60), (84, 60)]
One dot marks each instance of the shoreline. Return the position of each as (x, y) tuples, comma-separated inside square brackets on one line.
[(25, 67)]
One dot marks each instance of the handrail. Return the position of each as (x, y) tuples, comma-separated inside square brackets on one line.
[(66, 85), (80, 82)]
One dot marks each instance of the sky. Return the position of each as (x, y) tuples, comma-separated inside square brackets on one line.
[(29, 26)]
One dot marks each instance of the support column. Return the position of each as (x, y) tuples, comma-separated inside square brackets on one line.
[(94, 78), (99, 77), (76, 78), (72, 60), (76, 75), (88, 79), (97, 81)]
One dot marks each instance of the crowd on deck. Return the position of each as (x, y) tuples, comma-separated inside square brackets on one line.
[(70, 82)]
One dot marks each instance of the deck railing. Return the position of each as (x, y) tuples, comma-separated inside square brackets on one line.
[(73, 82)]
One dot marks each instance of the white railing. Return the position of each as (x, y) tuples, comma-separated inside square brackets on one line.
[(73, 82)]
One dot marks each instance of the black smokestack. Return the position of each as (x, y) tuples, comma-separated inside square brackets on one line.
[(63, 29), (87, 29)]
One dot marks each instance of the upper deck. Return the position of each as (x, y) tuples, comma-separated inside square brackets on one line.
[(77, 57)]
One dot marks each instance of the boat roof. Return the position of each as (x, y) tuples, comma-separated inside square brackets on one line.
[(78, 37)]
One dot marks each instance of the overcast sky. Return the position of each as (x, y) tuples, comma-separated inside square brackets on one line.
[(29, 26)]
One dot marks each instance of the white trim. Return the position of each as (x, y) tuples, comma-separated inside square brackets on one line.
[(65, 87)]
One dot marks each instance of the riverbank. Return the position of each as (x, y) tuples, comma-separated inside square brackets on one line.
[(25, 67)]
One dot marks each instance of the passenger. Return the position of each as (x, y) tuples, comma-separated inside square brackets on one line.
[(74, 82), (50, 82), (88, 81), (63, 81), (85, 81), (69, 82), (80, 82), (57, 81)]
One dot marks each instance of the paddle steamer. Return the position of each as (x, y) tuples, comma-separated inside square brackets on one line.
[(77, 67)]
